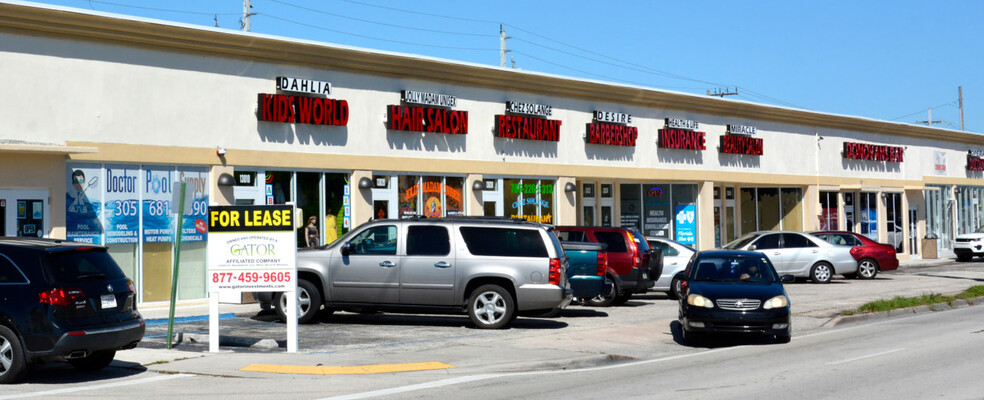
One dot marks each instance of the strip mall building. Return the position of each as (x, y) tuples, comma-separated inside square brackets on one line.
[(103, 113)]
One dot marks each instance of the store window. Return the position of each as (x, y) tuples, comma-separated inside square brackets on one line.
[(939, 211), (589, 204), (849, 219), (868, 210), (970, 208), (828, 211), (530, 199), (428, 196), (660, 210), (893, 220), (766, 209)]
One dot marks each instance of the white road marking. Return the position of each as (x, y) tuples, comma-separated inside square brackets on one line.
[(93, 387), (864, 357)]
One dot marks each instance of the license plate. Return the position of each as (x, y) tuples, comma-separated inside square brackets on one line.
[(645, 275), (107, 301)]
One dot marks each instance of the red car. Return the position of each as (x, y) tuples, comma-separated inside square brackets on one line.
[(871, 255), (631, 264)]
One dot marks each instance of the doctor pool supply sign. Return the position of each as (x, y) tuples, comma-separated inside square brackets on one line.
[(251, 248)]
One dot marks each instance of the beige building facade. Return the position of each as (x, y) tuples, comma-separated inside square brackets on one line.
[(103, 113)]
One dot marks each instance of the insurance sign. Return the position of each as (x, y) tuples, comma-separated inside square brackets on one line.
[(251, 249)]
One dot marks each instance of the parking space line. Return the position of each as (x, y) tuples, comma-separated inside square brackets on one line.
[(75, 389), (349, 370), (864, 357)]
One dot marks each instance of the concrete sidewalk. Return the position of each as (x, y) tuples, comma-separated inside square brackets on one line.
[(156, 312)]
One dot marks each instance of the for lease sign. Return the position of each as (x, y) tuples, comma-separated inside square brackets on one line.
[(251, 249)]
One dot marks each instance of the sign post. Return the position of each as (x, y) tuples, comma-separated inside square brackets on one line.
[(252, 249), (180, 190)]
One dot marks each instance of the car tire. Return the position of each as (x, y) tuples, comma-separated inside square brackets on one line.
[(964, 257), (605, 301), (783, 338), (821, 272), (93, 362), (491, 307), (691, 338), (675, 289), (12, 355), (308, 301), (867, 268), (622, 299)]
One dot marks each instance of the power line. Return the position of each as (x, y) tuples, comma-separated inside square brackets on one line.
[(949, 103), (383, 23), (421, 13), (290, 21)]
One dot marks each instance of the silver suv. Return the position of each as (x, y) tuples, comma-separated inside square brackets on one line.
[(493, 269)]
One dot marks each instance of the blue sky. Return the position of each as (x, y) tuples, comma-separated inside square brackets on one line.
[(889, 60)]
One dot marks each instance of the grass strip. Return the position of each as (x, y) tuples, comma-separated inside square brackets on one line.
[(906, 302)]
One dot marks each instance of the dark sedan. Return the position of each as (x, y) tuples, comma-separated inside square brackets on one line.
[(871, 255), (733, 292)]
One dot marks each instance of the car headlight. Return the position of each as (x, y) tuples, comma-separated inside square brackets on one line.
[(779, 301), (697, 300)]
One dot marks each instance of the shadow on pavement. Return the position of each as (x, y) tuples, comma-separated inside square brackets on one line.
[(392, 319), (60, 372), (721, 340)]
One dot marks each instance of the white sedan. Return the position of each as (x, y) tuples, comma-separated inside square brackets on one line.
[(675, 258), (799, 254)]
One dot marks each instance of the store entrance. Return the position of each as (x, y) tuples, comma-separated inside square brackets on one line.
[(24, 213)]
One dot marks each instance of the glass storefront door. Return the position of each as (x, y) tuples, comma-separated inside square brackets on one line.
[(767, 209), (893, 220), (660, 210), (24, 213)]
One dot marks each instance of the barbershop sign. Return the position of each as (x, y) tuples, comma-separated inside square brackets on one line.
[(611, 128)]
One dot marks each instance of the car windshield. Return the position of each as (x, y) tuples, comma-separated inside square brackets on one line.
[(741, 242), (734, 268)]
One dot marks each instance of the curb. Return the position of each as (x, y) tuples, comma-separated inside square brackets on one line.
[(847, 319)]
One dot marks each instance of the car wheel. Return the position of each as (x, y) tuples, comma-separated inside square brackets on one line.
[(603, 300), (93, 362), (308, 302), (867, 268), (964, 257), (821, 272), (676, 287), (491, 307), (12, 363), (691, 338), (783, 338), (622, 299), (552, 313)]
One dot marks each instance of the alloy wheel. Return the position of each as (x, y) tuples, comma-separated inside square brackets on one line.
[(303, 301), (6, 355), (490, 307), (867, 269)]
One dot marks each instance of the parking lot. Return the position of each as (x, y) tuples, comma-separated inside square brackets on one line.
[(642, 328)]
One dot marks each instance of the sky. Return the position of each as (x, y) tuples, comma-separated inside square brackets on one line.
[(887, 60)]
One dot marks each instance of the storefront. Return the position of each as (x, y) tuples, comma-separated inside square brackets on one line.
[(351, 135)]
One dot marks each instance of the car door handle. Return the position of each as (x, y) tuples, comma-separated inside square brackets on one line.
[(443, 264), (815, 251), (387, 264), (777, 253)]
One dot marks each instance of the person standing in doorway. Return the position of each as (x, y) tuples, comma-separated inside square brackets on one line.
[(311, 236)]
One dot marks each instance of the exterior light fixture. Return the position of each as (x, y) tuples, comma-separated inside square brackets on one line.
[(226, 180), (478, 185), (365, 183), (570, 187)]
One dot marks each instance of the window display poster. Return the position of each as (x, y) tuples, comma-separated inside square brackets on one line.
[(194, 227), (82, 199), (158, 223), (656, 208), (686, 224), (121, 202)]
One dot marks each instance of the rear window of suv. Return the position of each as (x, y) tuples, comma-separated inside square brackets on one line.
[(614, 240), (79, 266), (503, 242)]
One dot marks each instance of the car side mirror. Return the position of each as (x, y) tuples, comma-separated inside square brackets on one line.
[(788, 278), (752, 247), (346, 248)]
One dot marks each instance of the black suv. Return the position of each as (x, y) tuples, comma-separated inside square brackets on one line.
[(63, 301)]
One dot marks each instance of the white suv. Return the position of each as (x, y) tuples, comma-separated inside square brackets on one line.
[(969, 245)]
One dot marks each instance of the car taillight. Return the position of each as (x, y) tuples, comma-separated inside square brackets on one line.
[(634, 249), (554, 271), (131, 287), (602, 262), (61, 297), (890, 250)]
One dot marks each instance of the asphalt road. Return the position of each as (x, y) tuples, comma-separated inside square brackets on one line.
[(934, 355), (631, 352)]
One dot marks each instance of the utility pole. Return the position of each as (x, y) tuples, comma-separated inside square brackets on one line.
[(247, 8), (930, 122), (960, 98), (502, 46), (722, 92)]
